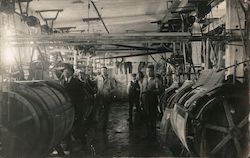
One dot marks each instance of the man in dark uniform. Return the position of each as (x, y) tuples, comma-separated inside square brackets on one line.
[(151, 88), (75, 90), (134, 95)]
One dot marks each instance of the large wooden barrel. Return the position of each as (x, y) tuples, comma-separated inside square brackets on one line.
[(36, 116)]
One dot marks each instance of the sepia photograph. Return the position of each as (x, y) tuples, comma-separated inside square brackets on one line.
[(124, 78)]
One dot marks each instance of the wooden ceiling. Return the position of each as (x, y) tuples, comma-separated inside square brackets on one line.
[(120, 16)]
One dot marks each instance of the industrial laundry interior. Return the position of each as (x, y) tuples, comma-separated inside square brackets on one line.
[(124, 78)]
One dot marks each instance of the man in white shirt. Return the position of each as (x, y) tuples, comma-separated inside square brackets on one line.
[(105, 91)]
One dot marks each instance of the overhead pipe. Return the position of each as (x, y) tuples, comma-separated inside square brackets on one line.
[(141, 48), (133, 55)]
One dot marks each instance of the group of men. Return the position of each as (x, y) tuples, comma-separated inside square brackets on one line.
[(76, 86), (143, 94), (77, 90)]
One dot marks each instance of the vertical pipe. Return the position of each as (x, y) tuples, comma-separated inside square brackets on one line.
[(207, 63), (1, 75), (184, 55), (75, 59), (88, 15), (183, 44), (174, 48), (8, 101), (235, 19), (248, 56), (235, 72), (219, 63)]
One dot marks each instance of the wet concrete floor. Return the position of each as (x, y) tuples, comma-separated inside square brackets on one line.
[(120, 139)]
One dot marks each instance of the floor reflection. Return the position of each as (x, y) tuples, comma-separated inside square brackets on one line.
[(120, 139)]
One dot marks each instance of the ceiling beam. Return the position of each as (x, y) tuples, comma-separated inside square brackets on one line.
[(109, 39), (143, 48), (49, 10), (132, 55), (90, 19), (64, 29)]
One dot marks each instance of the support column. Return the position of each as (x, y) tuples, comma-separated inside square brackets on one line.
[(234, 50), (197, 45), (75, 59), (207, 57), (248, 55), (248, 46), (1, 74)]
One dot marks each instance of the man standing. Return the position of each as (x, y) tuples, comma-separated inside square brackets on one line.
[(133, 90), (151, 88), (105, 90), (75, 90)]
